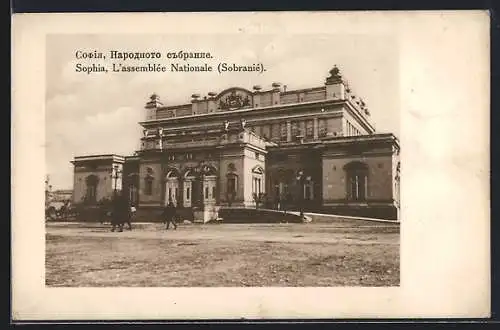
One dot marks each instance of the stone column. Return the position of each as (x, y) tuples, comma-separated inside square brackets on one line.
[(315, 128), (209, 207), (288, 131)]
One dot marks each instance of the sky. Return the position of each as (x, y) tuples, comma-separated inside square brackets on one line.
[(99, 113)]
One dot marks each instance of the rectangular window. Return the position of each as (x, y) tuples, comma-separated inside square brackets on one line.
[(309, 129), (283, 132), (352, 191), (322, 127), (91, 193), (148, 189), (188, 193), (206, 192), (302, 128), (358, 187), (275, 131), (213, 192), (295, 129), (231, 185)]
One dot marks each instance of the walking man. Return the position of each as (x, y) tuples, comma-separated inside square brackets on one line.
[(169, 214), (118, 215)]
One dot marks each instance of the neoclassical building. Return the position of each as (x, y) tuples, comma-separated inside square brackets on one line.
[(313, 148)]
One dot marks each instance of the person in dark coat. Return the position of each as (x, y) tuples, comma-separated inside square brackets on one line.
[(117, 215), (169, 214), (121, 213)]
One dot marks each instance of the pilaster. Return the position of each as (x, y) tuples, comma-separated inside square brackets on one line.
[(288, 130), (315, 128)]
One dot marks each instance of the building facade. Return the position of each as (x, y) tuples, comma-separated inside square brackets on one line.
[(59, 195), (314, 149)]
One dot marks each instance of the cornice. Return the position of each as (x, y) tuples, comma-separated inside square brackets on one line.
[(238, 113), (359, 118)]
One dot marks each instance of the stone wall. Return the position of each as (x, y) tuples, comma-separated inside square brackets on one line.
[(380, 179), (105, 186), (153, 169)]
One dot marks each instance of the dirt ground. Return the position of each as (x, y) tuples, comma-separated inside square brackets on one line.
[(229, 255)]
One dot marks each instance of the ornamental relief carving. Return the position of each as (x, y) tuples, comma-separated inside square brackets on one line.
[(234, 98)]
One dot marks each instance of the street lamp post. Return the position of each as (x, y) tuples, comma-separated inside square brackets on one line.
[(115, 175), (300, 180)]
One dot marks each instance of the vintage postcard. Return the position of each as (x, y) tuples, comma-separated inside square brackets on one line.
[(250, 165)]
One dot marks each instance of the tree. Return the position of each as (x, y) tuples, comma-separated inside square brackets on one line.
[(258, 198)]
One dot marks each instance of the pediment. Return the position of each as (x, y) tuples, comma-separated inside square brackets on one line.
[(234, 98), (257, 170)]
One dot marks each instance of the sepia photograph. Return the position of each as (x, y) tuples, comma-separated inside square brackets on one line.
[(250, 165), (222, 161)]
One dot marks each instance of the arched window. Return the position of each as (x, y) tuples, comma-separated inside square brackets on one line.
[(91, 192), (357, 181), (148, 182), (232, 181), (257, 180)]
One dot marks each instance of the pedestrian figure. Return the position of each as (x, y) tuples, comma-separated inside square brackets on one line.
[(169, 215), (105, 211), (131, 215), (120, 213), (283, 207)]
